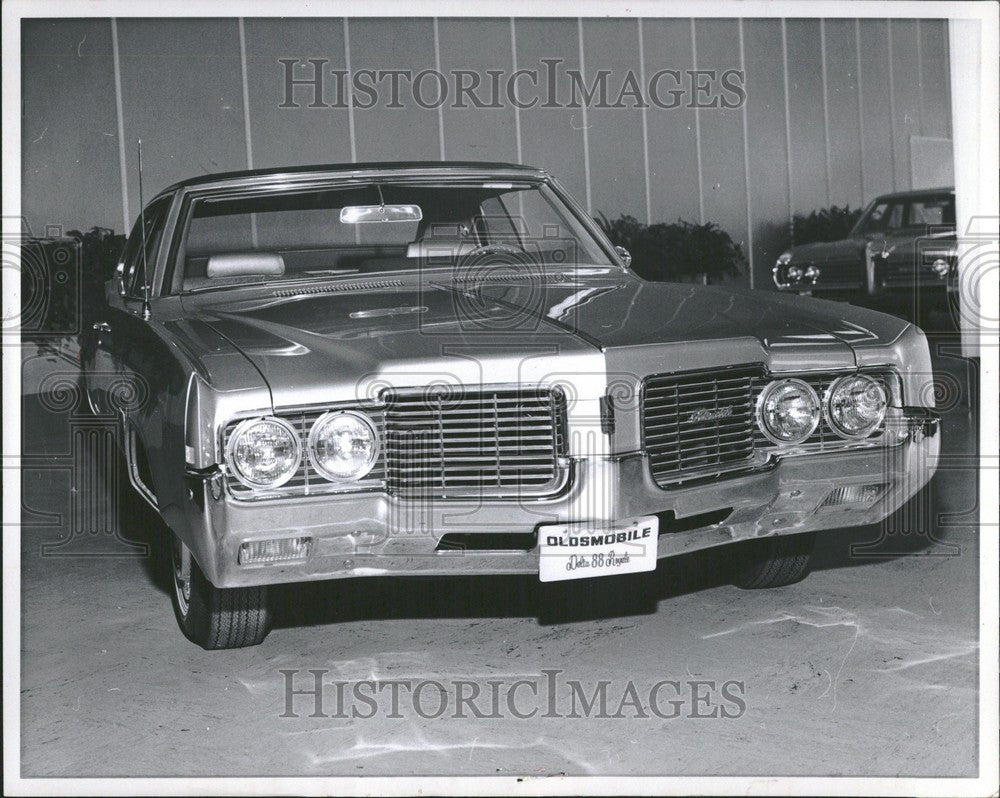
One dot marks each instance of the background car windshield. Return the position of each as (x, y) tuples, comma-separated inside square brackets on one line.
[(462, 224)]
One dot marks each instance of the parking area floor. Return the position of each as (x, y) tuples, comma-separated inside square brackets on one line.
[(868, 667)]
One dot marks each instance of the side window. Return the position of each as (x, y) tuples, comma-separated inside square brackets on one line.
[(884, 216), (935, 211), (878, 213), (493, 223), (894, 216), (155, 216)]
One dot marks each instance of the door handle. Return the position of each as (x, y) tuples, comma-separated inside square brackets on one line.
[(102, 326)]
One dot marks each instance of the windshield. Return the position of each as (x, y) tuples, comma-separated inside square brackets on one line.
[(380, 227)]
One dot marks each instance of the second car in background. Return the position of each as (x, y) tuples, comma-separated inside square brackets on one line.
[(903, 243)]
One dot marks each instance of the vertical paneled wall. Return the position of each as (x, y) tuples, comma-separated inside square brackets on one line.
[(205, 95)]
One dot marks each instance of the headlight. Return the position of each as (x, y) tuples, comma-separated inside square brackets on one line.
[(855, 406), (794, 273), (343, 445), (778, 273), (264, 452), (788, 411)]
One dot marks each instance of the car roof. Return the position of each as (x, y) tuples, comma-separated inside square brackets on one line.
[(922, 192), (351, 168)]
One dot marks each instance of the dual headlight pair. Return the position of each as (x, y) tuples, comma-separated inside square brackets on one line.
[(263, 453), (789, 410), (786, 275)]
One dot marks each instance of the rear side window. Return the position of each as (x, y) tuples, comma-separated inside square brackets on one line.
[(933, 211)]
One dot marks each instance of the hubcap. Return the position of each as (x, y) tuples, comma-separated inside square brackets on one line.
[(182, 575)]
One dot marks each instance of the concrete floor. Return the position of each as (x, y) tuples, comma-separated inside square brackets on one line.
[(869, 667)]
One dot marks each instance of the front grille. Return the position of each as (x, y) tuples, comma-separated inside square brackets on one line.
[(839, 273), (701, 424), (699, 421), (485, 442)]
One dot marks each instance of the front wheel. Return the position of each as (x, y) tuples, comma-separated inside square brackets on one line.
[(774, 561), (215, 617)]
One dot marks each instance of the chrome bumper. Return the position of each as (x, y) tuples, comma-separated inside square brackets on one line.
[(373, 534)]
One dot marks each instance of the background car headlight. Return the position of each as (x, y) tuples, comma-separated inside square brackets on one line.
[(343, 445), (264, 452), (780, 271), (855, 406), (788, 411)]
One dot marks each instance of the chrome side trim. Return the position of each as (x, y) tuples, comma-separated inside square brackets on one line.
[(133, 470)]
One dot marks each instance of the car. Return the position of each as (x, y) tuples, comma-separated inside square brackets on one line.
[(902, 245), (424, 369)]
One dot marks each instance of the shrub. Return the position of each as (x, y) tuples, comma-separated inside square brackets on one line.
[(71, 271), (676, 252), (100, 250), (826, 224)]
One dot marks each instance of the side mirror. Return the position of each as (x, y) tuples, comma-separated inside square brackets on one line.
[(120, 278), (624, 255)]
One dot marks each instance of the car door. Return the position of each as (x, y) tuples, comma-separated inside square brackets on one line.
[(108, 385), (925, 235)]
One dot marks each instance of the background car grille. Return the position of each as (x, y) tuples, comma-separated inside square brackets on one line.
[(837, 273), (489, 442), (698, 420), (700, 424)]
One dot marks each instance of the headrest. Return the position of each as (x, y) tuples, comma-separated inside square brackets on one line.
[(447, 250), (239, 264)]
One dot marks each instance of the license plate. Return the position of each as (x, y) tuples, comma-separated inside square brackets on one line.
[(578, 551)]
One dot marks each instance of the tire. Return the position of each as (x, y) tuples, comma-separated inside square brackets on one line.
[(214, 617), (775, 561)]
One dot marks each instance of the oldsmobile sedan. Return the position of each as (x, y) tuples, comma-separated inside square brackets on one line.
[(903, 245), (447, 368)]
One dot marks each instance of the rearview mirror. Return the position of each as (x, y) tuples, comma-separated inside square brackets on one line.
[(120, 278), (363, 214)]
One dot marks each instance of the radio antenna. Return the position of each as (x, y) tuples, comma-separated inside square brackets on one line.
[(146, 311)]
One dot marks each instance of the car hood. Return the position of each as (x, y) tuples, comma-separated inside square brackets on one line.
[(826, 251), (329, 336)]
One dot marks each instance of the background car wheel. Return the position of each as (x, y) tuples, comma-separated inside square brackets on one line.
[(775, 561), (215, 617)]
